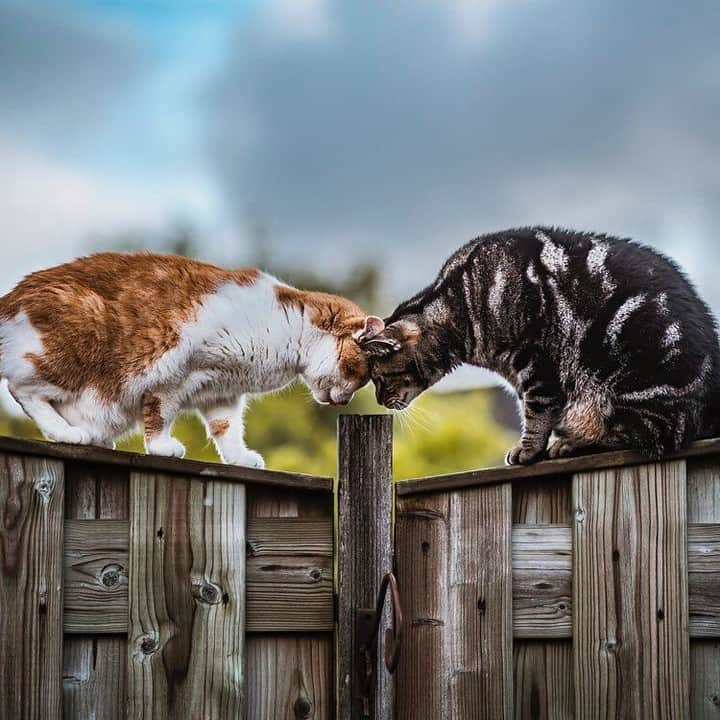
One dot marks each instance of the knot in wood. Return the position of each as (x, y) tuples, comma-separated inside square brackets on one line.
[(579, 515), (208, 592), (43, 487), (110, 575), (302, 708), (148, 644), (316, 574)]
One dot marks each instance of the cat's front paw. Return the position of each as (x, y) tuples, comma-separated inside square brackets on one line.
[(166, 446), (244, 458), (520, 455)]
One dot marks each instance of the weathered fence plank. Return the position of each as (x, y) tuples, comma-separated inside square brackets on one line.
[(543, 680), (187, 598), (630, 610), (542, 599), (289, 676), (421, 547), (31, 537), (703, 507), (454, 565), (365, 548), (95, 668)]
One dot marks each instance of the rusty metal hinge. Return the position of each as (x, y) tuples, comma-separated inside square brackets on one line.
[(367, 626)]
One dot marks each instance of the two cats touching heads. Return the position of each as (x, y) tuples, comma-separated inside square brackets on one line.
[(605, 342)]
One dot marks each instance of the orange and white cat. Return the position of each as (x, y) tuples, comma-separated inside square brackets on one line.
[(93, 347)]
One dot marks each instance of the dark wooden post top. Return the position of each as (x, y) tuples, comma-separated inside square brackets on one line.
[(364, 548)]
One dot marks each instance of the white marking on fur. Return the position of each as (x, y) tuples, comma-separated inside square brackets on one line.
[(662, 303), (615, 326), (672, 335), (553, 256), (669, 391), (532, 274), (596, 266), (497, 292), (572, 326)]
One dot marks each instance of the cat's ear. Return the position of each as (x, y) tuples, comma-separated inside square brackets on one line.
[(372, 339)]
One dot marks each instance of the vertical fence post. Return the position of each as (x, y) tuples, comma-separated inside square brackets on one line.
[(364, 549)]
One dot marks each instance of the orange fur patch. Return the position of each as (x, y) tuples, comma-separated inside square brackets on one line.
[(218, 428), (336, 315), (152, 415), (109, 316), (586, 421)]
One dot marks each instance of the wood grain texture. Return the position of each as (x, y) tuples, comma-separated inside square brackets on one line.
[(421, 556), (154, 463), (31, 537), (543, 680), (303, 684), (542, 581), (703, 501), (365, 548), (542, 599), (289, 575), (187, 598), (454, 568), (290, 677), (630, 611), (96, 576), (564, 466), (95, 667)]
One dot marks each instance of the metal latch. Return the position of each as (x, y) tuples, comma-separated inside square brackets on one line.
[(367, 626)]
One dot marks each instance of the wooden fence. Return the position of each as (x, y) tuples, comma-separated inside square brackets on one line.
[(141, 587), (585, 588)]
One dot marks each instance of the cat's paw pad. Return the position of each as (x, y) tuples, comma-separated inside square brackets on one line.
[(166, 446), (245, 458), (519, 455), (73, 435)]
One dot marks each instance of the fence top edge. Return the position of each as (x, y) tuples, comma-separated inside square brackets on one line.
[(136, 462), (565, 466)]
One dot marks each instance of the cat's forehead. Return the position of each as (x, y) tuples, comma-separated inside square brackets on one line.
[(400, 361)]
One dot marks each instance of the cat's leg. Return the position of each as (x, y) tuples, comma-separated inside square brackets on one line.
[(226, 426), (159, 411), (50, 423), (542, 406)]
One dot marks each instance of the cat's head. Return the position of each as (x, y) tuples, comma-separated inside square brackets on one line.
[(396, 365), (335, 366)]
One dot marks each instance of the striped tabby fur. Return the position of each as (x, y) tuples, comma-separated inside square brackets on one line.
[(605, 341)]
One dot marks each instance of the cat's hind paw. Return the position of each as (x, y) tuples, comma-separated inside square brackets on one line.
[(244, 458), (519, 455), (166, 446), (72, 435)]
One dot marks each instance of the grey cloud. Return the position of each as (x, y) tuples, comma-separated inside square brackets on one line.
[(400, 137), (60, 72)]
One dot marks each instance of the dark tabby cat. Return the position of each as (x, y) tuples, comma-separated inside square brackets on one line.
[(605, 341)]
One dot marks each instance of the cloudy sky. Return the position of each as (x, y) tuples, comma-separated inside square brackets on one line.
[(358, 131)]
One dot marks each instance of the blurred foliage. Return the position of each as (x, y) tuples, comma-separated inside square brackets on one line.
[(439, 433)]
